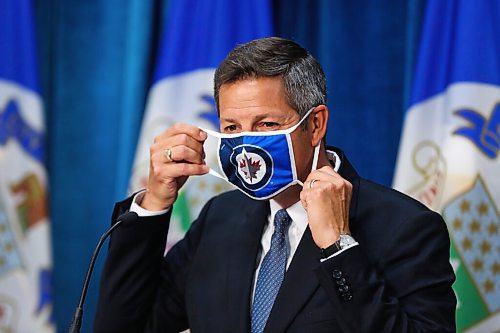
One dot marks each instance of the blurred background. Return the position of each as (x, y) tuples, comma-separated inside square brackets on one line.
[(85, 86)]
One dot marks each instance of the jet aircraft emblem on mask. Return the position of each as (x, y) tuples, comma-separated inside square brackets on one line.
[(253, 165)]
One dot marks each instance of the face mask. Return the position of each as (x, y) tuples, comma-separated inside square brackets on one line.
[(260, 164)]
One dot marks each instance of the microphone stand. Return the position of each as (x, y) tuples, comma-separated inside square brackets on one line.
[(76, 322)]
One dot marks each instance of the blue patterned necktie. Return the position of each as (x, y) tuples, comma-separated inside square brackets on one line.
[(271, 273)]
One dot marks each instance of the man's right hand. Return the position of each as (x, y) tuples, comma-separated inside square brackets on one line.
[(166, 176)]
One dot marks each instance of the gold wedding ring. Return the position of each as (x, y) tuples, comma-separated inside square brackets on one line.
[(312, 182), (168, 154)]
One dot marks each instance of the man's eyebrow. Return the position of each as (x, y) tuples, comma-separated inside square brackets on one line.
[(256, 118), (229, 120)]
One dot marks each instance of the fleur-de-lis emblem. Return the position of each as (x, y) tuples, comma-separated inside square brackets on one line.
[(484, 133)]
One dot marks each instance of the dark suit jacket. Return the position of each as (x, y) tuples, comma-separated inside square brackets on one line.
[(397, 280)]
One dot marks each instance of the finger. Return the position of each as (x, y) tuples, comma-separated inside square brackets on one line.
[(176, 170), (317, 187), (179, 154), (319, 181), (321, 176), (303, 199), (335, 178), (311, 183), (185, 154), (181, 140), (326, 174), (329, 170), (187, 169), (181, 128)]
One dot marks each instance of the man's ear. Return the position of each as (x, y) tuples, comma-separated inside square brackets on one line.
[(318, 122)]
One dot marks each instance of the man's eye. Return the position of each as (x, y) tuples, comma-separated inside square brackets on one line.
[(269, 124), (230, 128)]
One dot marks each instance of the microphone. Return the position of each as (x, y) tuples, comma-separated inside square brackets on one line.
[(76, 322)]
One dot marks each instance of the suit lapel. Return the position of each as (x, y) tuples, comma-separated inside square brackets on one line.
[(299, 284), (347, 171), (244, 249)]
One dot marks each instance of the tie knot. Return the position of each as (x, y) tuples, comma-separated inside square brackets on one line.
[(282, 221)]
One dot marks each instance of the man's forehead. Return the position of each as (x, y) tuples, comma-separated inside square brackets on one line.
[(265, 91), (250, 80)]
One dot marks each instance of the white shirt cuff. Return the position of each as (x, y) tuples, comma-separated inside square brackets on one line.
[(339, 252), (136, 208)]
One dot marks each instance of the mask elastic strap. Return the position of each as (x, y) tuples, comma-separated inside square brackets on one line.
[(218, 136), (213, 133), (294, 127), (316, 149), (216, 174), (315, 157), (314, 163)]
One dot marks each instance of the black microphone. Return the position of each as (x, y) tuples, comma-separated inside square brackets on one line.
[(76, 322)]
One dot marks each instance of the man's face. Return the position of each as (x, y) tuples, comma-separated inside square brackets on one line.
[(259, 104)]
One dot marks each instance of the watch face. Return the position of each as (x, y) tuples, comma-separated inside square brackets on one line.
[(346, 240)]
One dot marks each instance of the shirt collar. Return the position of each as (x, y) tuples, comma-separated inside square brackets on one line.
[(334, 159), (296, 212)]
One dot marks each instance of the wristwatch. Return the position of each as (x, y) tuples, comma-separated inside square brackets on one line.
[(344, 241)]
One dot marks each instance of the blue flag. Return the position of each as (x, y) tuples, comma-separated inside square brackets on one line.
[(448, 156), (25, 259), (196, 37)]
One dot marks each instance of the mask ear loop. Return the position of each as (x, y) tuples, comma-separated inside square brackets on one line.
[(210, 170), (315, 157), (216, 174), (314, 163)]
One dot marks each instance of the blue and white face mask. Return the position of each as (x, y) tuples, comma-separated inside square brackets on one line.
[(260, 164)]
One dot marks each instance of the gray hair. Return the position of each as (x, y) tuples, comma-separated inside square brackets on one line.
[(303, 78)]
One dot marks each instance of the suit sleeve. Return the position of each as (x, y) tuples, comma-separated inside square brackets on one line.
[(141, 290), (407, 290)]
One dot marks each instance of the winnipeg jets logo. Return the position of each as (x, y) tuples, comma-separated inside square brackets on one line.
[(251, 166)]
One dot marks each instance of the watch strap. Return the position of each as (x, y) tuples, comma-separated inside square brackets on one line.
[(343, 241), (330, 250)]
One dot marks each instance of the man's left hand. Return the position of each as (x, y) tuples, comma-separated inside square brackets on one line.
[(326, 197)]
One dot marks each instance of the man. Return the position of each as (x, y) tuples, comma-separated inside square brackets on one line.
[(338, 254)]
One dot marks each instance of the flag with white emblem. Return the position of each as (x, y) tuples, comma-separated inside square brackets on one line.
[(448, 157), (196, 38), (25, 258)]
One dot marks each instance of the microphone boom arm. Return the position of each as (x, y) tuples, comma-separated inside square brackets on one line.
[(76, 322)]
